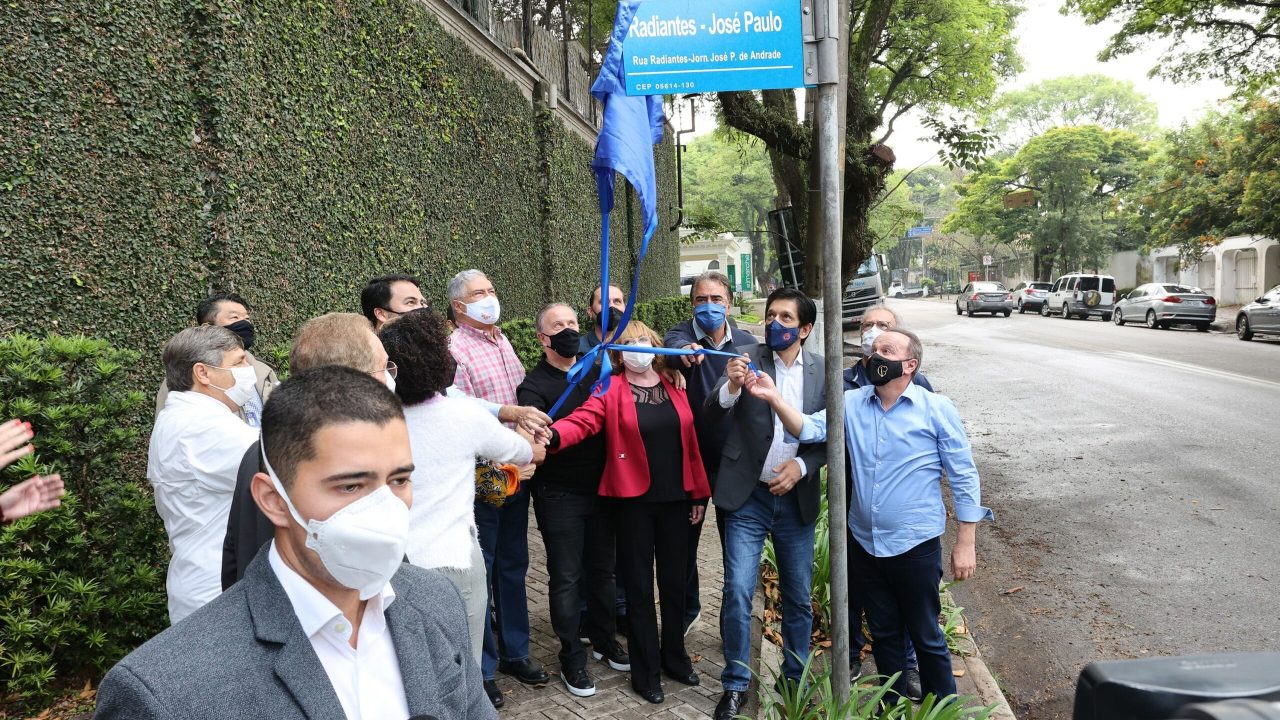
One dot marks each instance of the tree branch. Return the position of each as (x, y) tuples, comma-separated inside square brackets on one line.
[(743, 111)]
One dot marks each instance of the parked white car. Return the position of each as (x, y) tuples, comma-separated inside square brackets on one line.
[(1081, 295)]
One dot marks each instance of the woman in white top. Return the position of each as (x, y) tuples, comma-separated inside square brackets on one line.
[(447, 435)]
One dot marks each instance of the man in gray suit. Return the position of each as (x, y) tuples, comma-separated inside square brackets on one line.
[(768, 486), (328, 623)]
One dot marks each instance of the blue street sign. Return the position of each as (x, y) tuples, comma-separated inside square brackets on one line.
[(920, 230), (693, 46)]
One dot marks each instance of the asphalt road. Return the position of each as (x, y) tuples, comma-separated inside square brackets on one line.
[(1135, 478)]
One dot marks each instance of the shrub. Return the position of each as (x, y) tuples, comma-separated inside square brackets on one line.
[(83, 583)]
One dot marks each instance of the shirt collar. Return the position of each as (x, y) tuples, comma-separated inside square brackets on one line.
[(479, 334), (313, 609), (912, 394), (703, 334), (196, 399), (777, 361)]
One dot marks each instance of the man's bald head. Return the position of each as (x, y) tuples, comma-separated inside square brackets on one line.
[(900, 344)]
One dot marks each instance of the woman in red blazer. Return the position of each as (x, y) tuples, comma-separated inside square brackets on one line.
[(654, 472)]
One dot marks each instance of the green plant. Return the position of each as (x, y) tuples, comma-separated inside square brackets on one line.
[(524, 340), (953, 624), (84, 583), (814, 698)]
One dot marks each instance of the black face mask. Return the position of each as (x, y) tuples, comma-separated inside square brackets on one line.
[(565, 342), (882, 370), (244, 329), (615, 318)]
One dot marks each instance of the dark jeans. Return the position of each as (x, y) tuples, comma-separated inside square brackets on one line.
[(856, 605), (655, 533), (765, 514), (902, 592), (578, 535), (504, 541)]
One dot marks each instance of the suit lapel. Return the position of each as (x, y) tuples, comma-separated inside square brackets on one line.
[(421, 688), (296, 663), (813, 383)]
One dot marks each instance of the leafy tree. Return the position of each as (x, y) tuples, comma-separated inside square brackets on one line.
[(1216, 178), (1083, 179), (1018, 115), (940, 56), (1236, 41), (729, 186)]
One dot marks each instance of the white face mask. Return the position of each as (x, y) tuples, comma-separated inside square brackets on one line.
[(245, 386), (638, 361), (485, 311), (362, 545), (868, 337)]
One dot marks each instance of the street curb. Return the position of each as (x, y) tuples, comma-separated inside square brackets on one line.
[(767, 655), (989, 692)]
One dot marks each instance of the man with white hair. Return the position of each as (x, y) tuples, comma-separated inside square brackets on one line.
[(489, 368)]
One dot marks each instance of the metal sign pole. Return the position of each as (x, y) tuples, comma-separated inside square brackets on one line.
[(832, 77)]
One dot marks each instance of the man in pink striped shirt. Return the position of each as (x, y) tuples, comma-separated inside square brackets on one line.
[(488, 368)]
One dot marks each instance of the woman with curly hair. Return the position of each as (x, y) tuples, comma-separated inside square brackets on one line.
[(654, 473), (447, 435)]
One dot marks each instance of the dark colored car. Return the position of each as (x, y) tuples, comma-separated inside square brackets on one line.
[(1260, 317)]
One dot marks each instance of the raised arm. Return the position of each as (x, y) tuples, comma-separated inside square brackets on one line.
[(582, 423)]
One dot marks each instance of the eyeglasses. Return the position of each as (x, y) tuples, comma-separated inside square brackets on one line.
[(883, 325), (390, 370)]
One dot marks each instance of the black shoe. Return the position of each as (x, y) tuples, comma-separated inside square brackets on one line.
[(855, 669), (615, 655), (526, 671), (582, 632), (654, 696), (910, 684), (685, 679), (578, 682), (495, 695), (731, 704)]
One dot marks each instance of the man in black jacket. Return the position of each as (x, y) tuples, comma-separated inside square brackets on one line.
[(711, 297), (572, 517), (344, 339)]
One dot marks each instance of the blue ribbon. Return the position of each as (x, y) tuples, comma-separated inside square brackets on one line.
[(600, 387)]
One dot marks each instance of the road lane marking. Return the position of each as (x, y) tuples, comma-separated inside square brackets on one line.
[(1174, 364)]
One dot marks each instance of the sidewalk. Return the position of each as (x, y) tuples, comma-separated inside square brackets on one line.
[(614, 697)]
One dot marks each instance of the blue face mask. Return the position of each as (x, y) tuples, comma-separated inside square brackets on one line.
[(780, 337), (710, 316)]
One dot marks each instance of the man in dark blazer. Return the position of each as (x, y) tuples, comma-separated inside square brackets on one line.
[(327, 623), (768, 486)]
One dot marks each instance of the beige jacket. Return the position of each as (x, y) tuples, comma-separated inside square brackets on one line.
[(267, 381)]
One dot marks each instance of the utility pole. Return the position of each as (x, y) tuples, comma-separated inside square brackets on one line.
[(830, 29)]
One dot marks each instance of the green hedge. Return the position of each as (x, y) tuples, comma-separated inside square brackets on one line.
[(286, 150), (84, 583)]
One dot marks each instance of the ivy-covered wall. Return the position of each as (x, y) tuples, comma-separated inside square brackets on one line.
[(288, 150)]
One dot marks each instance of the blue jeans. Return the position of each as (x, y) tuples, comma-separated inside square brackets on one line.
[(504, 540), (901, 592), (745, 529)]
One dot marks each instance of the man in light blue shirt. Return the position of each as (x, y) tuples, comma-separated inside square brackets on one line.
[(901, 438)]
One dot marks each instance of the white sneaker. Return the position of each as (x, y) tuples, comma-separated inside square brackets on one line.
[(689, 625)]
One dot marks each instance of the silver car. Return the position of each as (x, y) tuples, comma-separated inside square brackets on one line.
[(1260, 317), (984, 296), (1031, 295), (1160, 305)]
